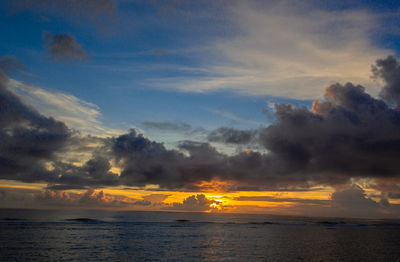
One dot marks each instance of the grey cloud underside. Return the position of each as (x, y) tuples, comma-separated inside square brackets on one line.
[(232, 136), (63, 187), (32, 147), (348, 135), (27, 139), (389, 70), (63, 47), (223, 134)]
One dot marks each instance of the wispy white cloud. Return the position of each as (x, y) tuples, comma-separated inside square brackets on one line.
[(75, 112), (288, 49)]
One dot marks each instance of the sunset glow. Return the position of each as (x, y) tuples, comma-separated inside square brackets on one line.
[(204, 106)]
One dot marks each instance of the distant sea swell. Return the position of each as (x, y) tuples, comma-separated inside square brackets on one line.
[(32, 235)]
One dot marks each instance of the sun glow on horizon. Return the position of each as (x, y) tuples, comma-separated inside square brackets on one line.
[(151, 198)]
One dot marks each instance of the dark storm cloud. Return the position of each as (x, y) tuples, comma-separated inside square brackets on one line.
[(232, 136), (92, 10), (70, 174), (63, 187), (33, 147), (27, 138), (63, 47), (147, 162), (349, 134)]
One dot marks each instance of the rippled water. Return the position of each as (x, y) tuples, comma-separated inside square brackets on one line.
[(27, 235)]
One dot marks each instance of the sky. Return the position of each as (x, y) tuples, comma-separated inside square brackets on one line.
[(273, 107)]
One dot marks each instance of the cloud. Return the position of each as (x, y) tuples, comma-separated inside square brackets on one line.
[(389, 70), (194, 203), (75, 112), (88, 199), (351, 134), (10, 64), (353, 198), (232, 136), (352, 201), (155, 198), (348, 201), (142, 203), (147, 162), (347, 136), (95, 199), (143, 161), (283, 199), (16, 197), (27, 138), (286, 49), (36, 148), (63, 47), (95, 172), (54, 187)]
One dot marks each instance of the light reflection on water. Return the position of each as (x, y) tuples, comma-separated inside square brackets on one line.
[(141, 236)]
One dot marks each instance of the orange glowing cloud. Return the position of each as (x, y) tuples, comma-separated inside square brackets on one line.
[(214, 186)]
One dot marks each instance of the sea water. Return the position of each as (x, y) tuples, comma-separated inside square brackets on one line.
[(46, 235)]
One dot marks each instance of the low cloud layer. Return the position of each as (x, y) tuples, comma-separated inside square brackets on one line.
[(282, 199), (95, 199), (195, 203), (353, 202), (63, 47), (349, 201), (47, 198)]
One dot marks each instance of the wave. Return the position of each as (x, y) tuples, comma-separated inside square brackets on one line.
[(84, 220)]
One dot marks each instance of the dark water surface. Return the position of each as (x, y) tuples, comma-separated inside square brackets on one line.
[(29, 235)]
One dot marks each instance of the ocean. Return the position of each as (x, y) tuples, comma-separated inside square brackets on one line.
[(50, 235)]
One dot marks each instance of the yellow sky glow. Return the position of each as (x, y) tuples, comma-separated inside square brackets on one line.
[(213, 190)]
